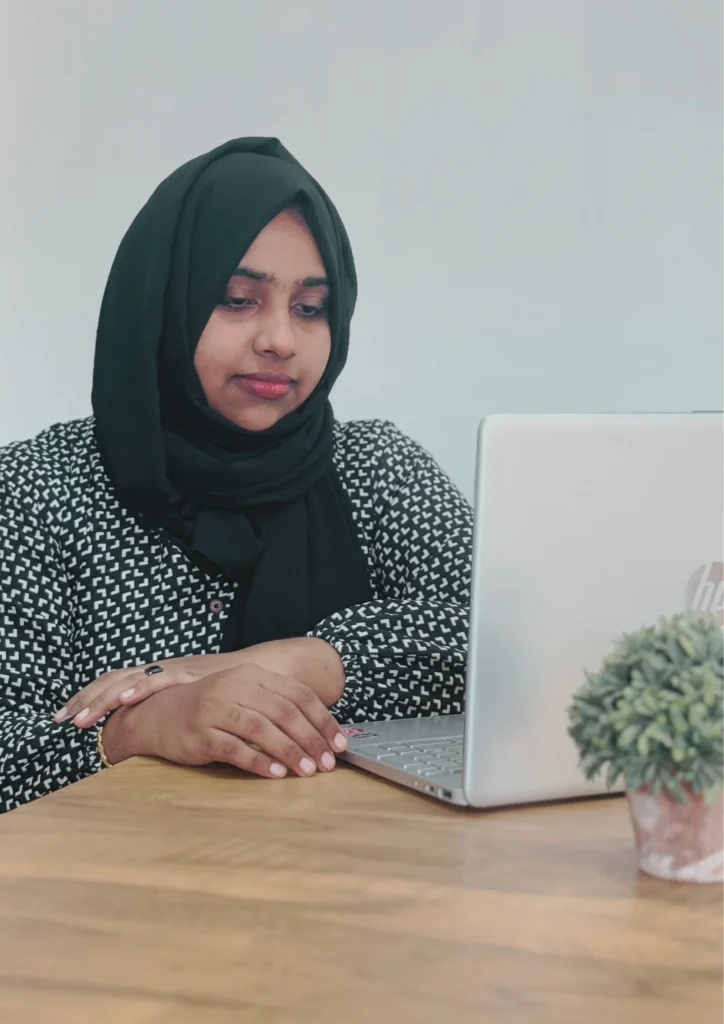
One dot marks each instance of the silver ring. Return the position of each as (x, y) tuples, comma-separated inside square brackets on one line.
[(153, 670)]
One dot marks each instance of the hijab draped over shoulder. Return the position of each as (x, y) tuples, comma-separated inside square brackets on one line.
[(264, 509)]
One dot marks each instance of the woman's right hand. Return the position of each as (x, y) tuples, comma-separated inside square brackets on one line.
[(248, 716)]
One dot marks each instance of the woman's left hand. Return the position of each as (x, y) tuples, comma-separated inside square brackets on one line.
[(129, 686)]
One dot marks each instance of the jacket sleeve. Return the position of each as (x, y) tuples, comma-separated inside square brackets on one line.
[(405, 653), (36, 675)]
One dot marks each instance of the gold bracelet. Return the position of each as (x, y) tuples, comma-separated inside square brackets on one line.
[(101, 750)]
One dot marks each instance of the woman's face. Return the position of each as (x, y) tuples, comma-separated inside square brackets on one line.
[(266, 345)]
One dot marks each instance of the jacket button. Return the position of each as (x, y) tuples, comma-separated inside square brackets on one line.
[(216, 606)]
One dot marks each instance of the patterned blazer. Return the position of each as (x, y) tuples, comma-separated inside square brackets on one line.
[(85, 588)]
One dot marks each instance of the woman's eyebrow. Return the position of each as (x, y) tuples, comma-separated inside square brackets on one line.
[(314, 282), (261, 275)]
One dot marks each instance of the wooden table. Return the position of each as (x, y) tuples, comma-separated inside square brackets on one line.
[(153, 893)]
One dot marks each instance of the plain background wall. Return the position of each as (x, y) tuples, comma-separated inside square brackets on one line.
[(532, 189)]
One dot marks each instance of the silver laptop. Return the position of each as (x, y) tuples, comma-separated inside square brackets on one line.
[(586, 526)]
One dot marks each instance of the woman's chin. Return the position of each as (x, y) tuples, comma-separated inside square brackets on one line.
[(256, 419)]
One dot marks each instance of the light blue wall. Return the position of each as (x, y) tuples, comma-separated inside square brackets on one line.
[(533, 190)]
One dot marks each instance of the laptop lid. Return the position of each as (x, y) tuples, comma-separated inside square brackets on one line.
[(586, 526)]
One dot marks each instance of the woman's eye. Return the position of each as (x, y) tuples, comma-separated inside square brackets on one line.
[(236, 302), (311, 312)]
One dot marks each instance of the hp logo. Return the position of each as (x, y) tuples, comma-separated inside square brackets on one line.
[(705, 591)]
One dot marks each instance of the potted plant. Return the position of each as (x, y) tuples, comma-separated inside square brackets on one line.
[(653, 714)]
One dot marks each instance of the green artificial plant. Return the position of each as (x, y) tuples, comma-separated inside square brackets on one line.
[(653, 713)]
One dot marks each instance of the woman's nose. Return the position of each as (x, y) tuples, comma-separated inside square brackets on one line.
[(276, 337)]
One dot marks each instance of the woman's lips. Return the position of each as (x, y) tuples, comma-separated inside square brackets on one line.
[(270, 386)]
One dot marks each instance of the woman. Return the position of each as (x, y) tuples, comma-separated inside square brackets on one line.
[(211, 558)]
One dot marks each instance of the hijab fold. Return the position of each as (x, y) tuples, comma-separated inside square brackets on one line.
[(264, 509)]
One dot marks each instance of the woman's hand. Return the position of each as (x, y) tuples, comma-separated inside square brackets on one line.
[(258, 720), (132, 685), (310, 660)]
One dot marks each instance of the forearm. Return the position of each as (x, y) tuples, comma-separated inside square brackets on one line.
[(309, 659), (38, 757), (401, 658)]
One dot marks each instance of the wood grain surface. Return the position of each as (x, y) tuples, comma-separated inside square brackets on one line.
[(153, 894)]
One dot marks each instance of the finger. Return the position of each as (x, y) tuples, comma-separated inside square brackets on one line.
[(230, 749), (293, 723), (256, 729), (128, 689), (311, 707), (84, 697), (143, 685)]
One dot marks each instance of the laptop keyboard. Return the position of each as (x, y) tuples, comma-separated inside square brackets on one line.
[(420, 757)]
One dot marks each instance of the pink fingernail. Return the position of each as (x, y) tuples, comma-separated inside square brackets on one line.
[(327, 761), (307, 767), (82, 714), (278, 770), (340, 742), (60, 716), (128, 693)]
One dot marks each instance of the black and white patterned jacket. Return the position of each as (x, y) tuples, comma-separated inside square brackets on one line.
[(85, 589)]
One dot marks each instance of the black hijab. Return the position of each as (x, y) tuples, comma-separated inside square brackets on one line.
[(264, 509)]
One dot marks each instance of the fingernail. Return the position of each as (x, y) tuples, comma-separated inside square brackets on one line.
[(60, 716), (82, 714), (327, 761), (307, 767), (278, 770), (128, 693), (340, 742)]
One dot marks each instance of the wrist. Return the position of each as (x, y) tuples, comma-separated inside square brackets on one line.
[(309, 659), (119, 738), (319, 665)]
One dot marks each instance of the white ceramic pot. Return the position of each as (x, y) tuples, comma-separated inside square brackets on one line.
[(681, 842)]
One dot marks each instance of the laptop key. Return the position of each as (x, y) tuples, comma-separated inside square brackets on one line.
[(370, 750), (393, 761)]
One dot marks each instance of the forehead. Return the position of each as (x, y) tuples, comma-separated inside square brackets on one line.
[(285, 246)]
